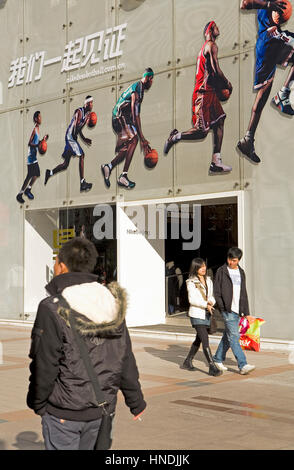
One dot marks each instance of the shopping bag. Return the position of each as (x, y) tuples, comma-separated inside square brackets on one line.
[(243, 325), (251, 339)]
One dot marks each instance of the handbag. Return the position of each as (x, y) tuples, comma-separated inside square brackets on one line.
[(213, 325), (104, 437)]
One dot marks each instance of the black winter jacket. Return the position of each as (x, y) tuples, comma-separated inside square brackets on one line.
[(223, 291), (59, 383)]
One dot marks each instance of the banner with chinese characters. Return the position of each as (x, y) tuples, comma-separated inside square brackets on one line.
[(91, 50), (141, 99)]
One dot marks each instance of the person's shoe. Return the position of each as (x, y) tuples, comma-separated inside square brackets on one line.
[(29, 194), (213, 370), (20, 199), (170, 141), (106, 171), (47, 176), (124, 181), (246, 146), (219, 167), (220, 366), (283, 104), (85, 186), (187, 364), (247, 369)]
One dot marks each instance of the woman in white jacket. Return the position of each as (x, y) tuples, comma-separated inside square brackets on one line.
[(201, 299)]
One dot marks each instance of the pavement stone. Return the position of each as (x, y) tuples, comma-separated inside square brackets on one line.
[(186, 410)]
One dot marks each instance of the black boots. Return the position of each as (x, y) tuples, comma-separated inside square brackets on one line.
[(188, 361), (213, 369)]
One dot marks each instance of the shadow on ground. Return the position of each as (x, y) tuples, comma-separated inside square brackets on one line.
[(177, 353), (28, 440)]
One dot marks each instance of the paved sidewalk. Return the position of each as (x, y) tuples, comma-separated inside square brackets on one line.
[(186, 410)]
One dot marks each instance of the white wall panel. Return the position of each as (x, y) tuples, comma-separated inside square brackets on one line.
[(12, 49), (11, 216)]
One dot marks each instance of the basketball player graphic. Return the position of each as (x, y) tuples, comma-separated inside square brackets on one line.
[(32, 161), (72, 147), (273, 47), (207, 112), (126, 123)]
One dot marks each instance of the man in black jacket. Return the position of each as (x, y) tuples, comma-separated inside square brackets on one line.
[(231, 297), (60, 390)]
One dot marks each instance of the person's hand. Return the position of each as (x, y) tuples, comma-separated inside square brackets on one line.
[(138, 417), (277, 5), (88, 141), (210, 308), (273, 32), (46, 137), (230, 87), (145, 146)]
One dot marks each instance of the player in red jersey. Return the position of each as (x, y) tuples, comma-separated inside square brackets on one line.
[(207, 112)]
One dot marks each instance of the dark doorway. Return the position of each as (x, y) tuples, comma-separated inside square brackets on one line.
[(82, 220), (219, 232)]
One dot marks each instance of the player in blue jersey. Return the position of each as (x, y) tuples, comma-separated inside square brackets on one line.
[(273, 47), (32, 161), (72, 147), (126, 123)]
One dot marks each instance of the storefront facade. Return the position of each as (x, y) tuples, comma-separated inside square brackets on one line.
[(56, 53)]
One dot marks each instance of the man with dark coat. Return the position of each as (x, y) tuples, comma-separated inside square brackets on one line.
[(60, 390), (231, 297)]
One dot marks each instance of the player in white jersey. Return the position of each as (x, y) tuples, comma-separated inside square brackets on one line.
[(72, 147)]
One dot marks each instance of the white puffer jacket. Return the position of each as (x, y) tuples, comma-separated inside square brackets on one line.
[(197, 295)]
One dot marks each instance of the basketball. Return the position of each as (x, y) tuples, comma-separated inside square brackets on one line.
[(224, 94), (92, 119), (42, 146), (151, 158), (280, 18)]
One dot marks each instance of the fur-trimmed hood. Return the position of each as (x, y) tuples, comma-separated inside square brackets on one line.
[(99, 310)]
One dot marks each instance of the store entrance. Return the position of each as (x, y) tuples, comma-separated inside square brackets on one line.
[(81, 221), (45, 233), (219, 232)]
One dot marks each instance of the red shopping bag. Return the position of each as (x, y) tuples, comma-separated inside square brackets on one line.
[(251, 339)]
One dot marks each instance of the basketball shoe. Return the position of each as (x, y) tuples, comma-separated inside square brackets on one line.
[(124, 181), (246, 146), (217, 166), (105, 169), (282, 102), (29, 194), (20, 199), (85, 186), (170, 141)]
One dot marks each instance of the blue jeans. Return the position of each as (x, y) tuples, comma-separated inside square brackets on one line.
[(230, 339)]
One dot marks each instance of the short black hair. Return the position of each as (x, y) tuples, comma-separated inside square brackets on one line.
[(36, 114), (235, 252), (79, 255)]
